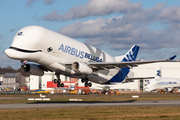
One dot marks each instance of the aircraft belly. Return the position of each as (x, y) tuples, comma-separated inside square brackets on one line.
[(103, 76), (97, 79)]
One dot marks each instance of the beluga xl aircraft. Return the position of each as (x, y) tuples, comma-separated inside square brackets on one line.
[(167, 84), (63, 55)]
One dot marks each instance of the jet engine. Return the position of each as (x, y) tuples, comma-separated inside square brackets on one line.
[(33, 69), (81, 68)]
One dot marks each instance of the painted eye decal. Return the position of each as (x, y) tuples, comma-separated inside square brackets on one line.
[(49, 49)]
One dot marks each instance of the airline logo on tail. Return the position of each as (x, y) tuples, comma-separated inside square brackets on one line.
[(158, 73), (131, 54)]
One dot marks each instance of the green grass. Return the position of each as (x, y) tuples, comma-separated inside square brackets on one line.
[(93, 113)]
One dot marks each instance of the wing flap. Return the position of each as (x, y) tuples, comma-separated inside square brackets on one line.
[(136, 78), (140, 78)]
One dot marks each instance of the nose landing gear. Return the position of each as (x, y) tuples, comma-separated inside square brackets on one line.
[(23, 63)]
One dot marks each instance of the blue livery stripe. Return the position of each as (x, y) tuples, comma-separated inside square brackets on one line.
[(129, 56), (119, 77)]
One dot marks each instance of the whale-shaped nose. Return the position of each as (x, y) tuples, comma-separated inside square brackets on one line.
[(14, 54), (9, 53)]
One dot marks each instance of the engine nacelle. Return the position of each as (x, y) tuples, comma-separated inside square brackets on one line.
[(81, 68), (33, 70)]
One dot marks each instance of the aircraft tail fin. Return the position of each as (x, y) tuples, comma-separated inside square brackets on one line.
[(159, 73), (131, 54), (172, 58)]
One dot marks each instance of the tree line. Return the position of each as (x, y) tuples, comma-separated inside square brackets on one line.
[(9, 69)]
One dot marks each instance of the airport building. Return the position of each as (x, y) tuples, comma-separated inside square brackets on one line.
[(13, 81), (169, 70)]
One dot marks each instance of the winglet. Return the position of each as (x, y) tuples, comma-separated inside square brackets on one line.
[(172, 58)]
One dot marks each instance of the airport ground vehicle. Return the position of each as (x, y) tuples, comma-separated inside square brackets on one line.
[(41, 91)]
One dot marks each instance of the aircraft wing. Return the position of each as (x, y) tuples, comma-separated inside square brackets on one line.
[(126, 80), (139, 78), (118, 65)]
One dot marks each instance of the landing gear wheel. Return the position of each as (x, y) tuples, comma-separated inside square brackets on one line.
[(62, 84), (59, 80), (58, 85), (90, 84), (86, 84), (82, 80), (55, 80)]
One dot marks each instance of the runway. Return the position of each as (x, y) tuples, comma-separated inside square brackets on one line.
[(90, 104)]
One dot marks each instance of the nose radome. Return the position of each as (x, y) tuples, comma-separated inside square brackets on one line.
[(9, 53), (14, 54)]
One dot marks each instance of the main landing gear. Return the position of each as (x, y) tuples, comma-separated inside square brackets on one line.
[(58, 80), (86, 84)]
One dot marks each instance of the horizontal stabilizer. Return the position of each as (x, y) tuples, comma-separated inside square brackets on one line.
[(136, 78), (172, 58), (140, 78)]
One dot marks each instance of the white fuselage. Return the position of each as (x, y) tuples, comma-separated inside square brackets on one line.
[(162, 84), (54, 50)]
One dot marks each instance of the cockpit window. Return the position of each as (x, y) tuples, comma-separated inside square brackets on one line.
[(27, 51)]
